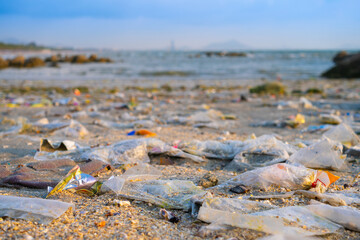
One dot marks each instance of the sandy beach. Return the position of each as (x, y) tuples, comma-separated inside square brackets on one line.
[(165, 104)]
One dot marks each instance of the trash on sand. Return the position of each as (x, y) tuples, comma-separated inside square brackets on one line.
[(326, 154), (135, 151), (328, 198), (330, 119), (345, 216), (173, 194), (142, 132), (262, 151), (76, 181), (170, 216), (139, 172), (48, 146), (314, 128), (344, 134), (282, 175), (208, 149), (32, 209), (295, 121)]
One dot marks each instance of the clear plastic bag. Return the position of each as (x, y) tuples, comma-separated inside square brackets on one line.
[(281, 174), (32, 209), (175, 194), (326, 154), (345, 216), (209, 149), (236, 205), (343, 133)]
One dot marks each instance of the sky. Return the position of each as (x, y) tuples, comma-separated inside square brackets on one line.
[(190, 24)]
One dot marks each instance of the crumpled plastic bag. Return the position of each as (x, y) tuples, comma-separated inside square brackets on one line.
[(171, 194), (345, 216), (344, 134), (141, 171), (283, 175), (208, 149), (49, 146), (236, 205), (326, 154), (32, 209), (301, 216), (135, 151), (266, 149)]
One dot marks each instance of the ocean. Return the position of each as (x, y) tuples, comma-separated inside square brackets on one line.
[(183, 65)]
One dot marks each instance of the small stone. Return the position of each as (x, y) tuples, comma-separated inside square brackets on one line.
[(208, 180), (240, 189)]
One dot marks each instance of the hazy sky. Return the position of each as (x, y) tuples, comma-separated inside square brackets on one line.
[(152, 24)]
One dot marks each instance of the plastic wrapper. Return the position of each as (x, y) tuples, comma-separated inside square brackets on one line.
[(330, 119), (208, 149), (313, 128), (142, 132), (173, 194), (344, 134), (123, 152), (139, 172), (76, 181), (262, 151), (326, 154), (48, 146), (75, 130), (303, 218), (345, 216), (135, 151), (236, 205), (32, 209), (282, 175)]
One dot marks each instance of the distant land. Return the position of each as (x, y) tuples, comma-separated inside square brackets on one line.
[(227, 45)]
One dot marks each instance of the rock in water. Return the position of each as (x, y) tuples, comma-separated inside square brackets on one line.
[(347, 66)]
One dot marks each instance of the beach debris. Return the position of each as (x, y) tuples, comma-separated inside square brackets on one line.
[(208, 180), (343, 133), (170, 194), (346, 216), (326, 154), (329, 119), (328, 199), (33, 209), (76, 181), (169, 216), (142, 132), (121, 203), (314, 128), (47, 145), (282, 175)]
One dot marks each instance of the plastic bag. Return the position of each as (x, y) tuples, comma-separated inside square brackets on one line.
[(175, 194), (282, 175), (302, 217), (48, 146), (326, 154), (262, 151), (344, 134), (345, 216), (236, 205), (32, 209), (330, 119), (74, 129), (139, 172), (208, 149)]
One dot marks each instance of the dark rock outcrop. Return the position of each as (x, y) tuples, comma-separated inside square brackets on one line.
[(18, 61), (79, 59), (347, 66), (3, 63), (34, 62)]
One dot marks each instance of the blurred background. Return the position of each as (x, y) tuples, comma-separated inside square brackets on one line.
[(193, 40)]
